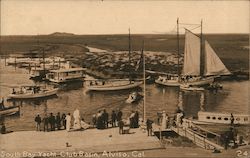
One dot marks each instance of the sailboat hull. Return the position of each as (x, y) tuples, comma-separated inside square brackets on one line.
[(201, 82), (114, 87), (171, 83)]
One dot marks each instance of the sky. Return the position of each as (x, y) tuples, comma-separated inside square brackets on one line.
[(27, 17)]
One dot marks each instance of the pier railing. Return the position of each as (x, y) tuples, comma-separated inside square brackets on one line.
[(198, 135)]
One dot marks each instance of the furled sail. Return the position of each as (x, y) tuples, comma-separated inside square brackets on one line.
[(191, 54), (213, 64)]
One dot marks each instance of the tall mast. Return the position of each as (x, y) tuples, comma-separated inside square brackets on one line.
[(201, 54), (144, 85), (129, 54), (43, 62), (178, 49)]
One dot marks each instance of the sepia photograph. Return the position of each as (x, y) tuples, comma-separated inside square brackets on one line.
[(124, 78)]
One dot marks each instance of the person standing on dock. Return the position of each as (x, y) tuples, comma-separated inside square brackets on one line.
[(113, 118), (149, 127), (120, 125), (232, 119), (45, 123), (68, 122), (52, 122), (38, 121), (105, 118), (58, 121), (119, 115), (136, 117), (94, 120), (64, 120), (99, 120)]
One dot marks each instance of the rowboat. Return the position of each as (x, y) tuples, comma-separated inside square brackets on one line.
[(211, 118), (9, 111), (31, 92), (133, 97)]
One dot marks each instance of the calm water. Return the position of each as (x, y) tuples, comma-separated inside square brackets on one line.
[(233, 98)]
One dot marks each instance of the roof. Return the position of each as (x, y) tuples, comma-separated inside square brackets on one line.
[(68, 70)]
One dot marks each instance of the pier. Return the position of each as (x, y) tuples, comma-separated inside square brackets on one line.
[(90, 140), (199, 136)]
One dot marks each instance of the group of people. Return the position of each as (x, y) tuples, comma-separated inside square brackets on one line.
[(51, 122), (101, 120)]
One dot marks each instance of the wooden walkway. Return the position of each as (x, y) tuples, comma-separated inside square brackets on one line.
[(91, 140), (195, 133)]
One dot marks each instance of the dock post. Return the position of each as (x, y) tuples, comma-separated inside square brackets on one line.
[(194, 138), (204, 143)]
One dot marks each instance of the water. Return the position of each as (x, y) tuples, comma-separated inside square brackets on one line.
[(233, 98)]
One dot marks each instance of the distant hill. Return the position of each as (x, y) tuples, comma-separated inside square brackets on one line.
[(61, 34)]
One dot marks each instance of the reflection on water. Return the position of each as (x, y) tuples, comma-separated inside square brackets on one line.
[(158, 98)]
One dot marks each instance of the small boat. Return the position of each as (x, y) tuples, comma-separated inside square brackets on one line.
[(9, 110), (114, 85), (191, 88), (65, 75), (214, 86), (212, 118), (117, 84), (133, 97), (172, 82), (31, 92)]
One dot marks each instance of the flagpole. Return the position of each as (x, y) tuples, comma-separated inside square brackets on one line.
[(144, 85)]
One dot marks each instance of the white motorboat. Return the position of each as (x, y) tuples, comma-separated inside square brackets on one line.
[(114, 85), (212, 118), (65, 75), (31, 92)]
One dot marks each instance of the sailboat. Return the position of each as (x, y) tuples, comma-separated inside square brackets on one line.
[(114, 84), (200, 66)]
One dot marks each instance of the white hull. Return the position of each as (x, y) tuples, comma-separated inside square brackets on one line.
[(172, 83), (191, 88), (113, 87), (223, 118), (9, 111), (32, 96), (66, 80), (203, 81)]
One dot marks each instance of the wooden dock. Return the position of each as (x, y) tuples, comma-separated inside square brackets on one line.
[(91, 140), (195, 133)]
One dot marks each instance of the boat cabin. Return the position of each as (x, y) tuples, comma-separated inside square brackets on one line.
[(223, 118), (65, 75)]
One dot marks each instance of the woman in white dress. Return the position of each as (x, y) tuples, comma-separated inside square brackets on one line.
[(68, 122), (77, 117)]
